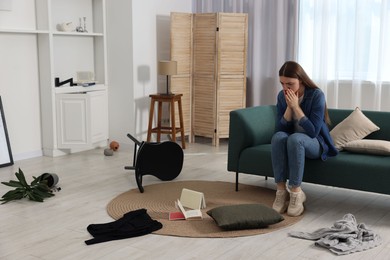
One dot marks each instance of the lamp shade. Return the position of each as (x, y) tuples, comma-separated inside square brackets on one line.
[(167, 67)]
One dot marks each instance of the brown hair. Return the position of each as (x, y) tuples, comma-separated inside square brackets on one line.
[(292, 69)]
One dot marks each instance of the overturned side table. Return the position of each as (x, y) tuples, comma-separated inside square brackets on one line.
[(171, 99)]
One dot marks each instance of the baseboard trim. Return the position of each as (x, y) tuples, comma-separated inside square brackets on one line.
[(28, 155)]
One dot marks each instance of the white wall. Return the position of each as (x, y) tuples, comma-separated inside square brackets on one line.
[(143, 32), (120, 68), (137, 34), (19, 81)]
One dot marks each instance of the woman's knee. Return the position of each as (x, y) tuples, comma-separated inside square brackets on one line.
[(295, 139), (279, 137)]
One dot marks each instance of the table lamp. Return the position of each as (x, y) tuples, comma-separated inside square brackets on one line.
[(168, 68)]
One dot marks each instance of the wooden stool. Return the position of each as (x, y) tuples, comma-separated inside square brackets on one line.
[(170, 99)]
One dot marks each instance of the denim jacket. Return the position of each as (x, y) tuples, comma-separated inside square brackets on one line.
[(313, 106)]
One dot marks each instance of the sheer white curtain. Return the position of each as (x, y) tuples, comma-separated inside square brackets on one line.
[(344, 46), (272, 27)]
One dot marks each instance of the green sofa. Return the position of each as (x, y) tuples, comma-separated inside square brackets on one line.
[(249, 152)]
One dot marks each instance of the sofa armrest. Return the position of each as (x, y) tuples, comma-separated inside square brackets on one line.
[(249, 127)]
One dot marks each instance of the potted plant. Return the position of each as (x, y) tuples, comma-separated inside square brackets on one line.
[(39, 189)]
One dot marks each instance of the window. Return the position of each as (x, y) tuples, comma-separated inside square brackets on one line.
[(345, 39)]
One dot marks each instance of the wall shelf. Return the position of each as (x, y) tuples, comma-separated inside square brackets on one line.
[(24, 31), (66, 112), (80, 89), (78, 34), (62, 55)]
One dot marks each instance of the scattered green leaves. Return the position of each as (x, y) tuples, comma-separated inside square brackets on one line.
[(37, 190)]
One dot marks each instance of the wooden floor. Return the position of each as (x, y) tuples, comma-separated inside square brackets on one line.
[(56, 229)]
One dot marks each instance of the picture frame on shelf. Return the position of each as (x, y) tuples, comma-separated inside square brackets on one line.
[(6, 158)]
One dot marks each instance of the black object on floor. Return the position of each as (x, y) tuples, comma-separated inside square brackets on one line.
[(163, 160), (132, 224)]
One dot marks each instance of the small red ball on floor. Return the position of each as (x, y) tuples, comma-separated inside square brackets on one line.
[(114, 145)]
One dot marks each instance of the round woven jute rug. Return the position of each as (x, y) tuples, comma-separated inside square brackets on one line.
[(159, 200)]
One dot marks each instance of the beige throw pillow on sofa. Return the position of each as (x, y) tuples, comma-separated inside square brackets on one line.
[(380, 147), (355, 127)]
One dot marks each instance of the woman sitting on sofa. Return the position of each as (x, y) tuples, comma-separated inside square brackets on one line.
[(302, 132)]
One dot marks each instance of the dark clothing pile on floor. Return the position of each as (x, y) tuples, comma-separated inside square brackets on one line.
[(132, 224)]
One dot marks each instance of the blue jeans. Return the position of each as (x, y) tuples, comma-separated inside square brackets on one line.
[(288, 154)]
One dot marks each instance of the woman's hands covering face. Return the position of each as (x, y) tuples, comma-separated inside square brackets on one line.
[(291, 98)]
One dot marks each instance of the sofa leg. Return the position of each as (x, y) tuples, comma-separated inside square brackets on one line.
[(236, 181), (266, 177)]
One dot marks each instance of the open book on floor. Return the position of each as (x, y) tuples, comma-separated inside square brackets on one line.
[(191, 199), (193, 214)]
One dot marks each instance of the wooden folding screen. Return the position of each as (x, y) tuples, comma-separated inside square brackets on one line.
[(211, 51)]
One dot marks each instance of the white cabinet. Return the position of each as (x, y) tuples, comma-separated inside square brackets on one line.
[(72, 117), (81, 119)]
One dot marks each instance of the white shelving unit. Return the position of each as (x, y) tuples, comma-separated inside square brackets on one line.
[(69, 112)]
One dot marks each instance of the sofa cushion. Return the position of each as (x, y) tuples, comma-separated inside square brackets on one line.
[(380, 147), (244, 216), (355, 127)]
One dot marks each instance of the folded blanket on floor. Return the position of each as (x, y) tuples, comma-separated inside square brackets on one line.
[(344, 237), (132, 224)]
